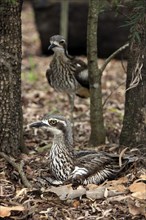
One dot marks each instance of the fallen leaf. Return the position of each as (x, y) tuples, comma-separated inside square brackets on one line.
[(135, 208), (29, 171), (67, 192), (138, 187), (6, 211), (118, 181), (76, 203), (139, 195), (143, 177), (21, 192), (92, 186), (119, 188)]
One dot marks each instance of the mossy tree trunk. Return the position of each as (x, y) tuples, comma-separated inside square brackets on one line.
[(97, 136), (133, 133), (11, 132)]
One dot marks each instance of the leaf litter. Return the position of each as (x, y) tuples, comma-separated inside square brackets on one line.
[(122, 198)]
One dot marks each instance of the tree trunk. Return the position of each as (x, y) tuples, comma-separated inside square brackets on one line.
[(96, 112), (11, 135), (64, 19), (134, 125)]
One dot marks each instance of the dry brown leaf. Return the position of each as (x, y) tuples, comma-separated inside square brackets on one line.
[(119, 181), (119, 188), (92, 186), (135, 208), (76, 203), (138, 187), (139, 195), (21, 192), (143, 177), (6, 211), (29, 171)]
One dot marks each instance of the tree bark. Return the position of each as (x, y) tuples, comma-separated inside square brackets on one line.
[(64, 18), (11, 121), (97, 136), (133, 133)]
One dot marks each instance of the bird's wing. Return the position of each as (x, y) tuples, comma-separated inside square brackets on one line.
[(48, 72), (82, 153), (81, 75), (48, 75), (81, 72), (96, 168)]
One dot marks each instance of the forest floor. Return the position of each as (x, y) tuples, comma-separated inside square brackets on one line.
[(120, 199)]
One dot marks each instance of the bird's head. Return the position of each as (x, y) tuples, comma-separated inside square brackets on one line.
[(57, 43), (56, 124)]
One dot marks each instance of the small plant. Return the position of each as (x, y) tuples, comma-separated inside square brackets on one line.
[(31, 73)]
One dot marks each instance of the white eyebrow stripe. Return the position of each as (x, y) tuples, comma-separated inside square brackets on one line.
[(45, 121), (54, 42), (63, 122)]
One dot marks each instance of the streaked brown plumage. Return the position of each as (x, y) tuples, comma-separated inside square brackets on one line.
[(81, 167), (67, 74)]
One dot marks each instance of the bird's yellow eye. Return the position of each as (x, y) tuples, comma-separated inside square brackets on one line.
[(52, 122)]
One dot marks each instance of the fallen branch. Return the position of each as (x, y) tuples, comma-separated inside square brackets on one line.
[(18, 167)]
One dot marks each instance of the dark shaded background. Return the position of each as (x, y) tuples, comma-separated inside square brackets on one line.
[(112, 33)]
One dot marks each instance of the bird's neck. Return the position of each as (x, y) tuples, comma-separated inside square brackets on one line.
[(61, 156), (62, 54), (64, 142)]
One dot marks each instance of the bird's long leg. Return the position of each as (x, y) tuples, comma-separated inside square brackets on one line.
[(71, 101)]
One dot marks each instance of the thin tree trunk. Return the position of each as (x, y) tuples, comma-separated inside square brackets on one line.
[(11, 135), (134, 124), (64, 18), (96, 112)]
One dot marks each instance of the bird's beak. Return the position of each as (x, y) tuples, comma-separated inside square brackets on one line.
[(51, 46), (37, 124)]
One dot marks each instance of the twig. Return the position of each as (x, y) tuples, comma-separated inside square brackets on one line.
[(122, 64), (121, 155), (112, 55), (111, 94), (19, 168)]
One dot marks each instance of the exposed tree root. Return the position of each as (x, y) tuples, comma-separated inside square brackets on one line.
[(18, 167)]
